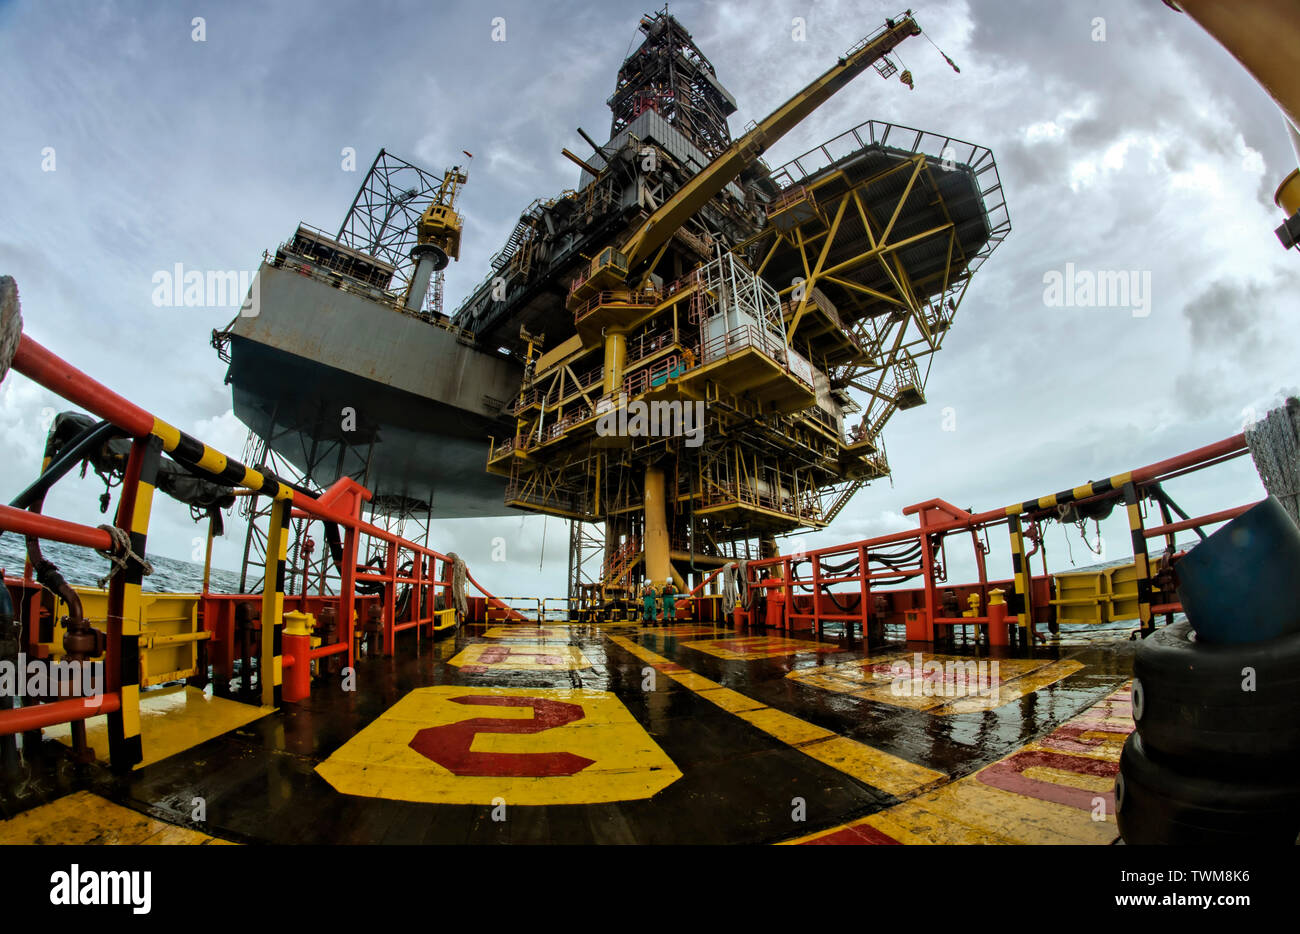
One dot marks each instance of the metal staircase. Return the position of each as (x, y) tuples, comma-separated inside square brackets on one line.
[(619, 563), (842, 500)]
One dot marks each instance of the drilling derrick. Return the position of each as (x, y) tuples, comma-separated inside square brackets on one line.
[(696, 328), (670, 75)]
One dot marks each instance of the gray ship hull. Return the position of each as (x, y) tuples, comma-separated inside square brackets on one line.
[(344, 385)]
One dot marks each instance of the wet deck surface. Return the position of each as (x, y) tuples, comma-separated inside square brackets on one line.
[(682, 734)]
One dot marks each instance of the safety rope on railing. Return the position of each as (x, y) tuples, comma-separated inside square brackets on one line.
[(121, 555), (11, 323), (1274, 443), (458, 578)]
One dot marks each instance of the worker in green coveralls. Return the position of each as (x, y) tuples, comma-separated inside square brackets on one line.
[(670, 602), (648, 604)]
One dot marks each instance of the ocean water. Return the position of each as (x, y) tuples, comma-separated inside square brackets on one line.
[(83, 566)]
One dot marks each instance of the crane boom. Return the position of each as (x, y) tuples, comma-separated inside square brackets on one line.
[(674, 212)]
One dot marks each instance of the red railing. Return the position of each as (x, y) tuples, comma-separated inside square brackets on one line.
[(339, 506), (651, 377), (784, 582)]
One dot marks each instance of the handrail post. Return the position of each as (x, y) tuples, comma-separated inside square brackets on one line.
[(390, 598), (817, 594), (865, 587), (348, 591), (1023, 603), (1141, 557), (269, 673), (122, 655)]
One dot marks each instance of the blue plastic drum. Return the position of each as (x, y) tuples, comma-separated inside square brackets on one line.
[(1242, 584)]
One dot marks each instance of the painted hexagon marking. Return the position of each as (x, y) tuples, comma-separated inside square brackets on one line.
[(452, 744), (520, 656)]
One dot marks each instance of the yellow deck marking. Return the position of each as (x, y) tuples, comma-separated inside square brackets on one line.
[(1012, 689), (84, 818), (909, 822), (540, 633), (380, 762), (729, 700), (788, 729), (971, 811), (678, 630), (694, 682), (1104, 746), (1019, 817), (951, 692), (851, 676), (751, 647), (867, 764), (1097, 783), (171, 720), (520, 656)]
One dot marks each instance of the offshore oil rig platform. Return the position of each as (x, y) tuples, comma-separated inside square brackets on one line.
[(687, 356), (682, 275)]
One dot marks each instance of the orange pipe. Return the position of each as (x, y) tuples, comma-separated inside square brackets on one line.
[(60, 530), (39, 716)]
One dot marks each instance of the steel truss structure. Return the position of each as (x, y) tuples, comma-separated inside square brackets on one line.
[(670, 75), (383, 217)]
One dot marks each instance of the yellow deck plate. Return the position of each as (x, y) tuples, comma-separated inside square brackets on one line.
[(171, 720), (528, 746), (678, 630), (877, 679), (84, 818), (1049, 791), (751, 647), (537, 633), (520, 656)]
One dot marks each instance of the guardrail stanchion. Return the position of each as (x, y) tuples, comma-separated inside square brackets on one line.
[(122, 665), (269, 673), (1141, 557)]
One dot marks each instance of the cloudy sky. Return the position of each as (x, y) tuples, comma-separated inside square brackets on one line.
[(1127, 140)]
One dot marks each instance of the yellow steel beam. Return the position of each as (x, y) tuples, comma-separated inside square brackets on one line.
[(853, 286), (811, 281)]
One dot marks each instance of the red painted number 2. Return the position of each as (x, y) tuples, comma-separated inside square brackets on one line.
[(449, 745)]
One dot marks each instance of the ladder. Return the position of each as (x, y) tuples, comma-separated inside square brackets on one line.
[(842, 500), (621, 562)]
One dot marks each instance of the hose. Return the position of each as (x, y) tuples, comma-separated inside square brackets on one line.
[(335, 545), (85, 442)]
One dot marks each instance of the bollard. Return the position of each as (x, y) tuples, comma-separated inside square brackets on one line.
[(297, 642), (775, 616), (998, 619)]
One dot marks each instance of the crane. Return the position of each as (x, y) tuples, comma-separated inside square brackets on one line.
[(613, 267), (617, 272), (437, 240)]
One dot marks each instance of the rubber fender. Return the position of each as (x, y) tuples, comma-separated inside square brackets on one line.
[(1238, 705), (1155, 803)]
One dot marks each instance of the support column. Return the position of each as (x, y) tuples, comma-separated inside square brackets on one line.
[(657, 563), (615, 356)]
